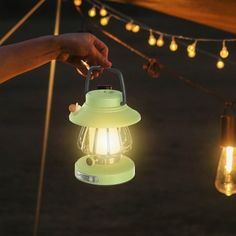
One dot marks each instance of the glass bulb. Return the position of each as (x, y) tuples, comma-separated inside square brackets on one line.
[(104, 141), (226, 173), (103, 11), (129, 26), (173, 45), (104, 21), (151, 40), (77, 3), (135, 28), (224, 53), (92, 12), (220, 64), (160, 41)]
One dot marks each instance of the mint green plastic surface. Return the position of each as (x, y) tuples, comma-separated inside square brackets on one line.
[(112, 174), (102, 109)]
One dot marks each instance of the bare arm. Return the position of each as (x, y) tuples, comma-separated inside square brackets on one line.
[(69, 48)]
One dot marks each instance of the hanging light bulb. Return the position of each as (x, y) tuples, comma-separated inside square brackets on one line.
[(104, 20), (191, 54), (173, 45), (104, 136), (135, 28), (220, 64), (151, 39), (225, 181), (77, 3), (129, 26), (92, 12), (160, 41), (103, 11), (191, 49), (224, 53)]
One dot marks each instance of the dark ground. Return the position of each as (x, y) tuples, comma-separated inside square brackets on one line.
[(176, 146)]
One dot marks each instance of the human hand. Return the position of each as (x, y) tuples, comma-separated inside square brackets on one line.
[(75, 47)]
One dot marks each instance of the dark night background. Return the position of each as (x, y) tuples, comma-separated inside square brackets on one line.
[(176, 145)]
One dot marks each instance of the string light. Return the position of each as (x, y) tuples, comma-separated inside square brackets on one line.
[(151, 39), (129, 26), (104, 20), (220, 64), (92, 12), (224, 53), (173, 45), (135, 28), (77, 3), (160, 41), (103, 11)]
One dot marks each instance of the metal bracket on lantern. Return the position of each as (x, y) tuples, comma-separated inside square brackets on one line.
[(113, 70)]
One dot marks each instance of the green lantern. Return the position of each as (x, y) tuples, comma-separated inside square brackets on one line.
[(104, 136)]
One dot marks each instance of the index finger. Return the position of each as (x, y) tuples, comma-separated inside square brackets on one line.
[(101, 47)]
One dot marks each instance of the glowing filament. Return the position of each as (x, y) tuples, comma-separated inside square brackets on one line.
[(220, 64), (92, 12), (103, 11), (104, 20), (173, 45), (160, 41), (229, 159), (224, 53), (151, 39)]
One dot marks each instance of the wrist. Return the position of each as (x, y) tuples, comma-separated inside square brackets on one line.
[(61, 51)]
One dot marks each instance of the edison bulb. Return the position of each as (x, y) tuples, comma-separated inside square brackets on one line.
[(77, 3), (226, 173), (103, 11), (129, 26), (92, 12), (104, 21), (220, 64), (160, 41), (135, 28), (173, 45), (104, 141), (151, 40), (224, 53)]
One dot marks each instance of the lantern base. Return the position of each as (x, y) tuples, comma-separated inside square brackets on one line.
[(111, 174)]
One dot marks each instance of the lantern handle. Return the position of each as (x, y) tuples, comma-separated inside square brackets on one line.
[(113, 70)]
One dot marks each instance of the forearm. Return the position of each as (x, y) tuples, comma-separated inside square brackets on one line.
[(21, 57)]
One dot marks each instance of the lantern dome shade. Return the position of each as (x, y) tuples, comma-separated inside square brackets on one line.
[(103, 109)]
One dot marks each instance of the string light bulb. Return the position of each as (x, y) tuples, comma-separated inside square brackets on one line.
[(191, 49), (77, 3), (103, 11), (220, 64), (173, 45), (135, 28), (160, 41), (225, 181), (104, 20), (92, 12), (224, 53), (151, 39), (129, 26)]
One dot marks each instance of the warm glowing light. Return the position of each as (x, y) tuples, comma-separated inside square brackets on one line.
[(192, 47), (103, 11), (160, 41), (135, 28), (173, 45), (220, 64), (226, 173), (77, 3), (151, 39), (92, 12), (191, 54), (104, 141), (129, 26), (104, 20), (224, 53)]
